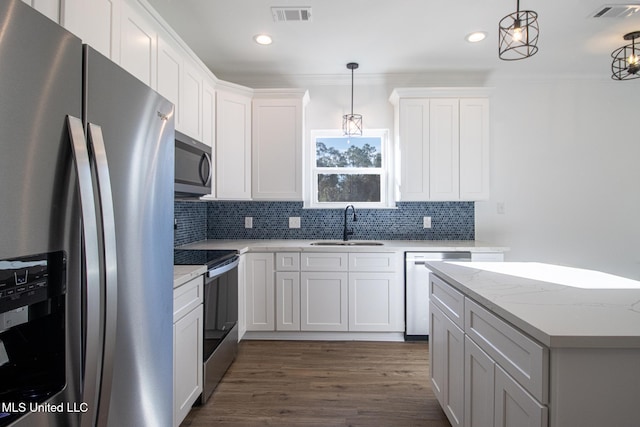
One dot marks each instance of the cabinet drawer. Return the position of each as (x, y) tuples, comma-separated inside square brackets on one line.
[(521, 357), (324, 261), (187, 297), (287, 261), (447, 299), (372, 262)]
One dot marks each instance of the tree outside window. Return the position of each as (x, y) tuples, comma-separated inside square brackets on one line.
[(349, 169)]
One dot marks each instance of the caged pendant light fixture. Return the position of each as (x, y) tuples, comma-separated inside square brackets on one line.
[(626, 60), (352, 123), (518, 35)]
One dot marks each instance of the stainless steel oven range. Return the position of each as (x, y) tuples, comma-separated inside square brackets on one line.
[(220, 344)]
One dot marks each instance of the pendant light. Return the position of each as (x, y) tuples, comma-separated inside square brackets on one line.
[(626, 60), (518, 35), (352, 123)]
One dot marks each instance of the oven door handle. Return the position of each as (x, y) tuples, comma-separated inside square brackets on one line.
[(216, 272)]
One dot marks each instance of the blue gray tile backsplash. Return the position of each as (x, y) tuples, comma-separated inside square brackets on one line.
[(225, 220)]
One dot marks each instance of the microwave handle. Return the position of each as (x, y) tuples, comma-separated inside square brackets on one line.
[(206, 180)]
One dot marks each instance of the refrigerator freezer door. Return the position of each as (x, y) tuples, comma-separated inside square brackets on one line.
[(137, 126), (40, 71)]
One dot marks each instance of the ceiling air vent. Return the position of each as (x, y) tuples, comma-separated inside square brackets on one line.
[(291, 14), (616, 11)]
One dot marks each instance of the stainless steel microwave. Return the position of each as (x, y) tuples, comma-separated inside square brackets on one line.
[(193, 167)]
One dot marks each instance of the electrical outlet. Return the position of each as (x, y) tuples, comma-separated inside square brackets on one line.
[(248, 222), (426, 222), (294, 222)]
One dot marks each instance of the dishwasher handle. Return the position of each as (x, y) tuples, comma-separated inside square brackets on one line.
[(423, 258)]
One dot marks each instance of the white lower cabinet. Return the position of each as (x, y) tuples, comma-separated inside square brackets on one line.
[(488, 374), (287, 301), (372, 301), (323, 301), (324, 292), (187, 347), (259, 292)]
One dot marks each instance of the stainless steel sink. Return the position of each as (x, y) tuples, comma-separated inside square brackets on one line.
[(347, 243)]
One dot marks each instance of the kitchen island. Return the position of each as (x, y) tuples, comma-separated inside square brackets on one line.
[(534, 344)]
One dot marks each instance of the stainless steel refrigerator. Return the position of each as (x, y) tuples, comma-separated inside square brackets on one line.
[(86, 234)]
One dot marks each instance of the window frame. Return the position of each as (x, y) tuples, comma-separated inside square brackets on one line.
[(385, 172)]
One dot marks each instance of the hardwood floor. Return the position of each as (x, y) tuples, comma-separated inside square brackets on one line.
[(319, 383)]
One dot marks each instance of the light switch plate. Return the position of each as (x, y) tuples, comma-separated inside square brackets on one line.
[(426, 222), (294, 222), (248, 222)]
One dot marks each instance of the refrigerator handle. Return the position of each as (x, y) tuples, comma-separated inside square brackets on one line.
[(110, 302), (206, 180), (92, 350)]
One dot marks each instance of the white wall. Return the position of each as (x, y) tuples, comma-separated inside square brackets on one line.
[(565, 164)]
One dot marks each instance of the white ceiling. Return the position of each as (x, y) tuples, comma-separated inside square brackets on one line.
[(388, 37)]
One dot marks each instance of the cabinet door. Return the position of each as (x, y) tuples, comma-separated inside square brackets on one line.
[(323, 304), (446, 349), (233, 146), (259, 291), (444, 163), (277, 149), (187, 363), (170, 76), (514, 406), (287, 301), (208, 113), (138, 43), (474, 149), (479, 386), (414, 149), (191, 101), (373, 302), (96, 22), (49, 8)]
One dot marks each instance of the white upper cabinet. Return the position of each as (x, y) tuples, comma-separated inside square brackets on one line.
[(138, 44), (278, 132), (49, 8), (170, 70), (191, 101), (96, 22), (474, 148), (208, 113), (233, 145), (444, 165), (442, 140)]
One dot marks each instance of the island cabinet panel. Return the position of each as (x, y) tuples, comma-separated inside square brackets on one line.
[(447, 299), (479, 386), (524, 359), (447, 364), (484, 372), (514, 406)]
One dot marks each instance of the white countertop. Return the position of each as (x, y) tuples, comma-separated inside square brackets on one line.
[(558, 306), (183, 273), (305, 245)]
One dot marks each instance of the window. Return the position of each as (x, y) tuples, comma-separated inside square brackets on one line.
[(347, 170)]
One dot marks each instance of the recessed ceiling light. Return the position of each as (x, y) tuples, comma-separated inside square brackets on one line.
[(263, 39), (478, 36)]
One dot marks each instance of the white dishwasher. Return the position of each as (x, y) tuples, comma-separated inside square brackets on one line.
[(417, 290)]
